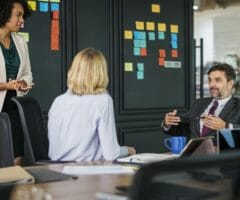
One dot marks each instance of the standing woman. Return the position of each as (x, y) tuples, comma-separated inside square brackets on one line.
[(15, 70)]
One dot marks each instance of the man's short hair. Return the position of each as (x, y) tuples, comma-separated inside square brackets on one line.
[(229, 71), (6, 7)]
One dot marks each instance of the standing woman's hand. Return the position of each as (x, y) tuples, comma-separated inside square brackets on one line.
[(12, 85), (23, 86)]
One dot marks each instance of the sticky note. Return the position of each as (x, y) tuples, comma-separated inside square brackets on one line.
[(43, 6), (174, 53), (140, 66), (140, 75), (151, 35), (128, 35), (136, 51), (150, 26), (25, 35), (54, 6), (139, 35), (139, 25), (173, 37), (161, 61), (128, 67), (33, 5), (57, 1), (174, 45), (136, 43), (55, 14), (173, 64), (161, 35), (143, 52), (173, 28), (162, 53), (55, 35), (162, 27), (143, 43), (155, 8)]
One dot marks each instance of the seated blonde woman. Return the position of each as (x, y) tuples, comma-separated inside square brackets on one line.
[(81, 122)]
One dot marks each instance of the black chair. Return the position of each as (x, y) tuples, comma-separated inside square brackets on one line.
[(6, 146), (159, 180), (35, 134)]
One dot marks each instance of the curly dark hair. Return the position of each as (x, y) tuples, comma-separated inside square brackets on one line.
[(6, 7), (229, 71)]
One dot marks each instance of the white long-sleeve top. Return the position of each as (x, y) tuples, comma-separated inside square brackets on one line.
[(82, 128)]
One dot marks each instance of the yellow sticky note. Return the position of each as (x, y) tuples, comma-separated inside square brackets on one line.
[(162, 27), (139, 25), (150, 26), (33, 5), (128, 67), (25, 35), (56, 1), (173, 28), (155, 8), (128, 35)]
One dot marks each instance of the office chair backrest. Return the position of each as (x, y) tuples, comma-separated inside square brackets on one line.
[(151, 178), (6, 146), (35, 134)]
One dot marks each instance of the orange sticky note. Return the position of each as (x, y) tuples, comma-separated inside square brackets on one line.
[(162, 53), (55, 35), (161, 61), (139, 25), (128, 35), (143, 52), (155, 8), (55, 14), (174, 53)]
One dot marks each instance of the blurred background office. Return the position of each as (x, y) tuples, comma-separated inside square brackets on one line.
[(216, 33)]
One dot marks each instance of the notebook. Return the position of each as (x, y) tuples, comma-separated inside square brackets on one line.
[(15, 174), (192, 147)]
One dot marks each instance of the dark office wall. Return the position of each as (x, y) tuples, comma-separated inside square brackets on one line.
[(139, 104)]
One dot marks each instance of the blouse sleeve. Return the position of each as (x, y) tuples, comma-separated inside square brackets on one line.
[(107, 132)]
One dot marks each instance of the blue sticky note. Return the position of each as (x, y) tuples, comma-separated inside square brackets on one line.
[(140, 75), (43, 6), (136, 51), (174, 45), (136, 43), (140, 67), (161, 35), (151, 36), (143, 43), (54, 6), (139, 35), (173, 37)]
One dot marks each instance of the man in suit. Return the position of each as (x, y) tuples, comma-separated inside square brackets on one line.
[(208, 115)]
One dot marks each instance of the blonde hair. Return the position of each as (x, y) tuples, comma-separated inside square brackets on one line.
[(88, 73)]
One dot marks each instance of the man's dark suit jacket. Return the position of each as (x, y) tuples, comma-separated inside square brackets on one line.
[(190, 126)]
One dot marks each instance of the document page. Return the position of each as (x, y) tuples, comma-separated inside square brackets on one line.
[(142, 158), (93, 170)]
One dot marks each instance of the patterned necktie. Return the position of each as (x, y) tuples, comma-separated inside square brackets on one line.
[(205, 130)]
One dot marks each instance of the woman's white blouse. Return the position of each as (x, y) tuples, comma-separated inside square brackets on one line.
[(82, 128)]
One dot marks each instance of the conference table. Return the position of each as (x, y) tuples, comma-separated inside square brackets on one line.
[(86, 187)]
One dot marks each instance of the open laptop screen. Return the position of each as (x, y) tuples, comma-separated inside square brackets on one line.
[(229, 139)]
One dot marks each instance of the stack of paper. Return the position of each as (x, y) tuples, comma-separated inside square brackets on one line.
[(93, 170)]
